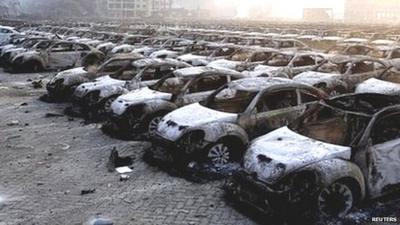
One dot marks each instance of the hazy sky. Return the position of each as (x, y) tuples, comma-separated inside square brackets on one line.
[(286, 8)]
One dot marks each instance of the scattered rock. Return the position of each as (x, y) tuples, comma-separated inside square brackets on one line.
[(24, 104), (88, 191)]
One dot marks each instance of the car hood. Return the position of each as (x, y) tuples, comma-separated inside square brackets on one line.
[(195, 60), (98, 84), (141, 95), (223, 63), (6, 47), (174, 124), (377, 86), (312, 78), (283, 151), (70, 75)]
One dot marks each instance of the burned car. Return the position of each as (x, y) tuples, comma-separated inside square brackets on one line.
[(341, 75), (288, 64), (374, 85), (142, 109), (63, 84), (95, 98), (342, 151), (59, 55), (216, 131)]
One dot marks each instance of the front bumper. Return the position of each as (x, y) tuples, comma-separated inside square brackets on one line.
[(162, 148), (246, 189)]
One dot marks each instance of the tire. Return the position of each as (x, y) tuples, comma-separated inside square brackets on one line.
[(336, 200), (105, 106), (221, 153), (33, 66), (152, 123)]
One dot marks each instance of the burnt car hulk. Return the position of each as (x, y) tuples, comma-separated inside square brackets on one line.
[(142, 109), (215, 132), (59, 55), (63, 84), (343, 151), (95, 98)]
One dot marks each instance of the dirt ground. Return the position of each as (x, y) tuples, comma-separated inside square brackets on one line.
[(46, 162)]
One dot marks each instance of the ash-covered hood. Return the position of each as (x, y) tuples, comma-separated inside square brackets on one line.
[(283, 151), (141, 95), (377, 86), (98, 84), (69, 75), (312, 78), (175, 123)]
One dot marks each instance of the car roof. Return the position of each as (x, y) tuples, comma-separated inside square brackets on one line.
[(204, 70), (257, 84)]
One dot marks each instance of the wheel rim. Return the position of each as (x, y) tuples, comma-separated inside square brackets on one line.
[(219, 154), (154, 124), (335, 200), (107, 105)]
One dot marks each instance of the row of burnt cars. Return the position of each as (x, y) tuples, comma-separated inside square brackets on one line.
[(297, 129)]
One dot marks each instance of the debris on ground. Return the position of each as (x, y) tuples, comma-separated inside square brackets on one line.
[(88, 191), (36, 84), (101, 221), (124, 177), (123, 170), (116, 161), (49, 115), (13, 123)]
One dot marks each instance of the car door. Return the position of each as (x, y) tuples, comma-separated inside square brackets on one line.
[(384, 156), (61, 55), (199, 89), (276, 109), (304, 63), (81, 51), (363, 70), (394, 58), (4, 35)]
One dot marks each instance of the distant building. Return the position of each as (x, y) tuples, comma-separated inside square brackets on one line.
[(317, 15), (10, 8), (129, 9), (372, 11)]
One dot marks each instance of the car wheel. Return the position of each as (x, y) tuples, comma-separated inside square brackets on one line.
[(153, 124), (336, 200), (105, 108), (220, 154)]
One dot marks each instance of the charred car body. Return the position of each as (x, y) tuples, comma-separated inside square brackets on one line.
[(217, 130), (59, 55), (142, 109), (63, 84), (344, 150), (95, 98)]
